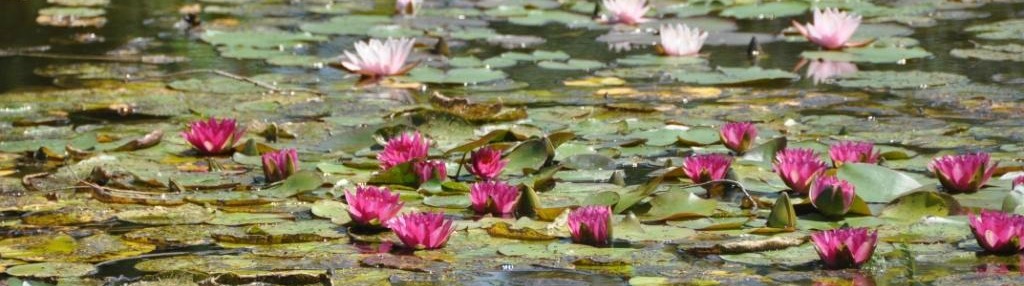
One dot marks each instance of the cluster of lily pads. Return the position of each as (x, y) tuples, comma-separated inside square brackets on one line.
[(540, 174), (802, 170)]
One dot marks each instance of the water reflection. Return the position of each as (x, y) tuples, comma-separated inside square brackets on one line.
[(823, 71)]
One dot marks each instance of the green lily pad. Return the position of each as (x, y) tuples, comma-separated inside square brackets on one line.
[(1007, 52), (770, 10), (95, 248), (726, 75), (530, 154), (77, 12), (1012, 29), (455, 76), (572, 64), (346, 25), (226, 218), (792, 256), (899, 80), (450, 202), (632, 230), (52, 269), (286, 232), (879, 55), (674, 205), (877, 184), (259, 39), (918, 204), (302, 181), (336, 211), (654, 60), (186, 214)]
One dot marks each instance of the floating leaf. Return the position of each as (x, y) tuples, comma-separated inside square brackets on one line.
[(881, 55), (919, 204), (726, 75), (572, 64), (674, 205), (877, 184), (899, 80), (302, 181), (770, 10), (51, 269), (455, 76), (258, 39), (783, 216)]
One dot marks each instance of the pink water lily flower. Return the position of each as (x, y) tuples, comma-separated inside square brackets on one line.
[(998, 232), (853, 152), (371, 205), (423, 230), (404, 148), (486, 163), (738, 136), (213, 137), (591, 225), (1018, 181), (407, 7), (493, 197), (832, 196), (845, 248), (965, 173), (629, 12), (706, 168), (821, 71), (831, 29), (376, 58), (798, 168), (428, 170), (279, 165), (679, 40)]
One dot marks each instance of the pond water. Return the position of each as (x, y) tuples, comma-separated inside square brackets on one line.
[(98, 187)]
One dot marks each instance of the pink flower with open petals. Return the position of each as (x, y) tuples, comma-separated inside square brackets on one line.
[(371, 205), (998, 232), (404, 148), (428, 170), (798, 168), (832, 196), (407, 7), (853, 152), (738, 136), (846, 247), (679, 40), (278, 165), (629, 12), (493, 197), (831, 29), (376, 58), (486, 163), (213, 137), (708, 167), (591, 225), (821, 71), (965, 173), (423, 230)]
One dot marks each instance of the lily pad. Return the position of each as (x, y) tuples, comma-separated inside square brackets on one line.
[(259, 39), (899, 80), (879, 55), (51, 270), (676, 205), (770, 10), (455, 76), (727, 75), (877, 184)]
